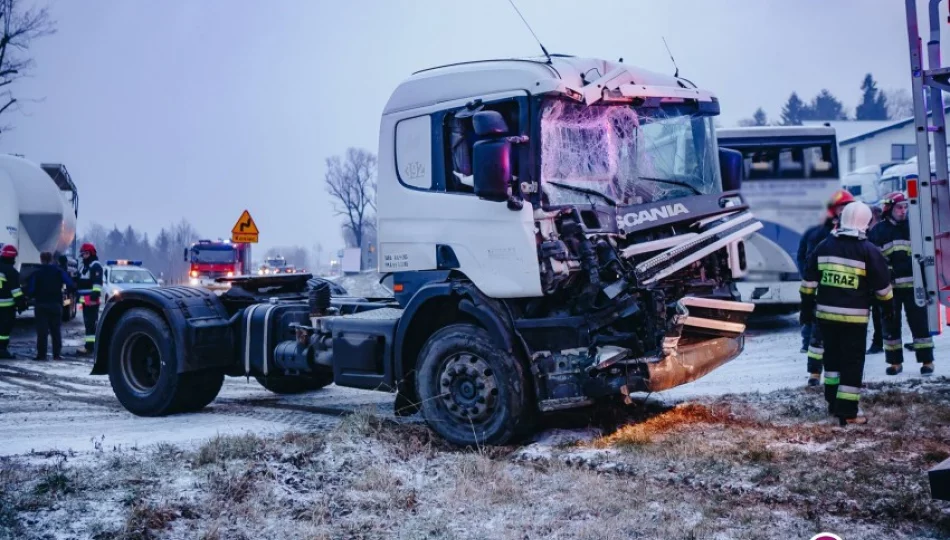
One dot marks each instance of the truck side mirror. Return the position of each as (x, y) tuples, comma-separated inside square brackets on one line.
[(185, 255), (491, 156), (730, 168)]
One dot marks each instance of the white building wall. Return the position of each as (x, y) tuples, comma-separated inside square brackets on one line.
[(874, 150)]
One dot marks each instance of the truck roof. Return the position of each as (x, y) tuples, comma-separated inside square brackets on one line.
[(484, 77), (774, 131), (59, 174)]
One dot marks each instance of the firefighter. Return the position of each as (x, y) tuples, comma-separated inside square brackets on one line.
[(45, 286), (877, 339), (811, 335), (90, 290), (11, 297), (840, 277), (892, 235)]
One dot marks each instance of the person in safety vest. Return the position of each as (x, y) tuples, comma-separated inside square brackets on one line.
[(11, 297), (90, 290), (841, 276), (892, 235), (811, 335)]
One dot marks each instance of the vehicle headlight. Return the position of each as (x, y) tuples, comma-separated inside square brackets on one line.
[(194, 281)]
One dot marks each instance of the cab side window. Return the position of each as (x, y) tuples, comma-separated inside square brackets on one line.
[(459, 136)]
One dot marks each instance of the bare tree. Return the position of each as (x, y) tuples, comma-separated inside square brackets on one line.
[(19, 28), (900, 105), (352, 183)]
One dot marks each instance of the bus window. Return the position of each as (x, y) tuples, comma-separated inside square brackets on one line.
[(787, 162)]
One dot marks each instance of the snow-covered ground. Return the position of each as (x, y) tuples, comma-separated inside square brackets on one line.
[(46, 406)]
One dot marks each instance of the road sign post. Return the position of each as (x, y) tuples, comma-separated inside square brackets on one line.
[(245, 232)]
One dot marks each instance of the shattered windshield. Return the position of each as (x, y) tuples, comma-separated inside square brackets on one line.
[(626, 154)]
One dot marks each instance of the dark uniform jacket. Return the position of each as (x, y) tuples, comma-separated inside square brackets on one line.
[(10, 293), (841, 276), (893, 237), (810, 240), (46, 285), (90, 282)]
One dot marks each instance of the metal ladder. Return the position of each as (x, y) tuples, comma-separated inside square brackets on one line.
[(929, 193)]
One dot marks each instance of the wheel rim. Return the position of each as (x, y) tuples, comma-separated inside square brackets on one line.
[(141, 363), (468, 387)]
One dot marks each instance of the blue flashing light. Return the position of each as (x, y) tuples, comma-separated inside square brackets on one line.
[(123, 262)]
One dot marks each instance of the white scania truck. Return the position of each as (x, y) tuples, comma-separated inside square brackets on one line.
[(558, 231)]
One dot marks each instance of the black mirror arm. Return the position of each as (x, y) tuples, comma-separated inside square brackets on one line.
[(515, 202)]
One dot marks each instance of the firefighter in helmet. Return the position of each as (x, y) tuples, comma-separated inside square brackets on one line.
[(811, 334), (841, 276), (11, 297), (90, 290), (892, 235)]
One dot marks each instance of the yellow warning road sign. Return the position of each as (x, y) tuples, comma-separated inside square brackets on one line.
[(245, 230)]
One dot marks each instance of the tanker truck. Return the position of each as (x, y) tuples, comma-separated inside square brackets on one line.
[(555, 232), (39, 205)]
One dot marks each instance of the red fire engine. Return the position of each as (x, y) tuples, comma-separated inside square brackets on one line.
[(210, 260)]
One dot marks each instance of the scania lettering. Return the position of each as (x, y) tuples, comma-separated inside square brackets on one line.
[(664, 212), (516, 289)]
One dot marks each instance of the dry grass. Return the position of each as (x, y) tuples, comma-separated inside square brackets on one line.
[(757, 466), (641, 433)]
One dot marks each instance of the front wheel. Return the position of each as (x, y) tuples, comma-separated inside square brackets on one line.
[(472, 392)]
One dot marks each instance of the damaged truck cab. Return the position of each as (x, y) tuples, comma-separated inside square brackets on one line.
[(558, 231)]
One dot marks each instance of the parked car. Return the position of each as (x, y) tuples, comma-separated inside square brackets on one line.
[(120, 275)]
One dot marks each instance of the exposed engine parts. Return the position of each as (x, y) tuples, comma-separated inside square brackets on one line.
[(611, 281)]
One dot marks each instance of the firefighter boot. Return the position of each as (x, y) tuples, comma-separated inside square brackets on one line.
[(814, 379), (927, 369), (894, 369)]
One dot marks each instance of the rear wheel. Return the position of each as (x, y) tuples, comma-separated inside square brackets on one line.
[(143, 370), (295, 385), (472, 392)]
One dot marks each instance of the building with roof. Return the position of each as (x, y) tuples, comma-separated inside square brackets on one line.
[(864, 142)]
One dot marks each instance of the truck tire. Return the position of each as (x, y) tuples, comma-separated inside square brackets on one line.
[(295, 385), (203, 387), (143, 370), (472, 393)]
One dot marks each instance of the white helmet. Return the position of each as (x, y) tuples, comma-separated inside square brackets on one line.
[(855, 220)]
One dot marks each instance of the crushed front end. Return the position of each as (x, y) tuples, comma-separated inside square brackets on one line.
[(639, 248)]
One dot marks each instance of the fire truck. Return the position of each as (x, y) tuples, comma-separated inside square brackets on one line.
[(209, 260)]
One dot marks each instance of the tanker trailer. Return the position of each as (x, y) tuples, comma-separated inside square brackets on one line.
[(38, 211)]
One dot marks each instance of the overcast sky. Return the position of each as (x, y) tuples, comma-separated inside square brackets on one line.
[(202, 108)]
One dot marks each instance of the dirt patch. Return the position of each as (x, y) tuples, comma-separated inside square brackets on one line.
[(770, 466)]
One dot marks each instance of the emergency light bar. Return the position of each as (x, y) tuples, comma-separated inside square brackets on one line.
[(123, 262)]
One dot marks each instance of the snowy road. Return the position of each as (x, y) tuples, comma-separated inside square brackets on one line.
[(58, 406)]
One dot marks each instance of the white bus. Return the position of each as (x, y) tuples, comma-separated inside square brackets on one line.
[(790, 173)]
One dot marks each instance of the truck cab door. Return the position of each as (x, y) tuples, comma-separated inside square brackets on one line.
[(429, 214)]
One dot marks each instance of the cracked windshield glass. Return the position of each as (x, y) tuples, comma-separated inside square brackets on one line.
[(619, 154)]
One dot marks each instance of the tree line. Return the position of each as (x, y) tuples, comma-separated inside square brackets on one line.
[(874, 104)]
